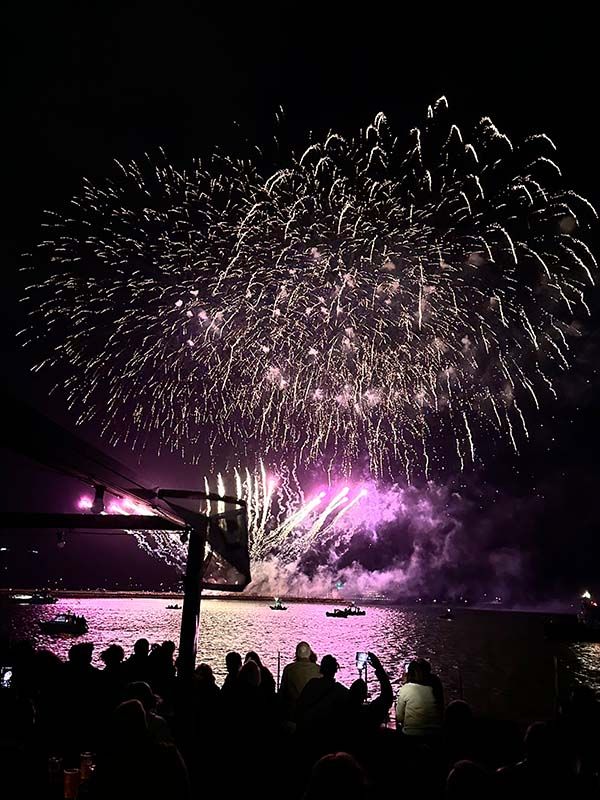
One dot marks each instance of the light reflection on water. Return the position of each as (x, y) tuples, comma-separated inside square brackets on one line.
[(501, 659), (584, 664)]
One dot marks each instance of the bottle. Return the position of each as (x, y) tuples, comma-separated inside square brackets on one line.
[(70, 784), (55, 776), (86, 765)]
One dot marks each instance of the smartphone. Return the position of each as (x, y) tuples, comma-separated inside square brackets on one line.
[(6, 677), (361, 660)]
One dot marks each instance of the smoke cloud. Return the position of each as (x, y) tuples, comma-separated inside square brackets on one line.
[(406, 541)]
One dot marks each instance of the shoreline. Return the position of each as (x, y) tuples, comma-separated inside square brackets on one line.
[(207, 595), (558, 608)]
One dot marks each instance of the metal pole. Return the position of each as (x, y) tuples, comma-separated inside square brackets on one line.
[(190, 615), (556, 687), (107, 522), (278, 668)]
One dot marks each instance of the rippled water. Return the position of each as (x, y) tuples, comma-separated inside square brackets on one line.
[(499, 660)]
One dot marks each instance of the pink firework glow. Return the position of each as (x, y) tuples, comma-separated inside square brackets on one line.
[(281, 523), (123, 506), (367, 537)]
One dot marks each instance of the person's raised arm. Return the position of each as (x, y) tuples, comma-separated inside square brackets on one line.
[(386, 693)]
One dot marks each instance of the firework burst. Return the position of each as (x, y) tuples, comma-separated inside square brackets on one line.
[(371, 298), (282, 523)]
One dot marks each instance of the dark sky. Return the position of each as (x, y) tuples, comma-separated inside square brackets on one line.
[(87, 83)]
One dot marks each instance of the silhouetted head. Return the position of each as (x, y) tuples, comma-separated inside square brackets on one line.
[(358, 692), (80, 654), (233, 662), (128, 724), (329, 666), (458, 715), (252, 656), (23, 651), (583, 701), (336, 775), (415, 672), (18, 723), (204, 673), (139, 690), (541, 743), (303, 651), (113, 655), (249, 675), (168, 648), (141, 647), (47, 663), (468, 781), (425, 666)]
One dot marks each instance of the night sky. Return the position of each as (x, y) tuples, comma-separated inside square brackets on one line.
[(83, 87)]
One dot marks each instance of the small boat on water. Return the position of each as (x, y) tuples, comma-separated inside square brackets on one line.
[(448, 614), (337, 612), (278, 605), (36, 599), (65, 623), (175, 607), (351, 610), (354, 611)]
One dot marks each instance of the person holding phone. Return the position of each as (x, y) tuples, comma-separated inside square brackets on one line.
[(362, 659), (418, 710), (365, 717)]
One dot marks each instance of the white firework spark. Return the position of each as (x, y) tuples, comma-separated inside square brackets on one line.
[(363, 300)]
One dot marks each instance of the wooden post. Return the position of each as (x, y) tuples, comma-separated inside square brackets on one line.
[(190, 615)]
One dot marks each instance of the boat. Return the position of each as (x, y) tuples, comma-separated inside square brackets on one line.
[(38, 598), (65, 623), (337, 612), (581, 627), (21, 598), (448, 614), (354, 611), (278, 606), (174, 607)]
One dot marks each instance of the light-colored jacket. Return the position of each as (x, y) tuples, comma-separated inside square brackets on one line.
[(417, 711)]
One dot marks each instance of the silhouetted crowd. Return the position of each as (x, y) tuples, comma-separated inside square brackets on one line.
[(134, 730)]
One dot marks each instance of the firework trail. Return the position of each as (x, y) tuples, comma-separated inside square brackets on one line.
[(367, 539), (280, 525), (164, 547), (369, 299)]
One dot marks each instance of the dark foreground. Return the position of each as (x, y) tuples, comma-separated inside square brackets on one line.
[(146, 734)]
